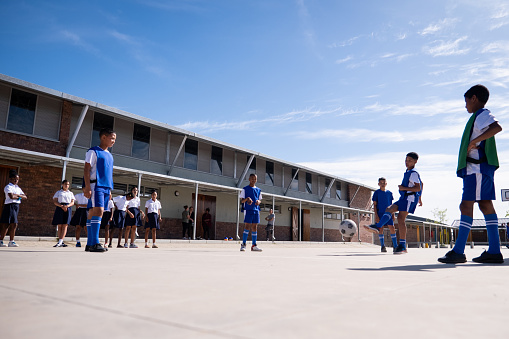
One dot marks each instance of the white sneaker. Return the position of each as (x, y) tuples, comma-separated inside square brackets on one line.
[(13, 244), (126, 246), (255, 248), (243, 247), (2, 244)]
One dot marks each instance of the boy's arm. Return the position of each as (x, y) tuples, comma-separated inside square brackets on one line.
[(87, 191), (416, 188), (493, 129), (377, 219)]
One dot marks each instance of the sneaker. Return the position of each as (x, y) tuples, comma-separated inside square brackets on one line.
[(78, 244), (154, 246), (488, 258), (120, 246), (126, 246), (400, 250), (2, 244), (255, 248), (184, 238), (64, 244), (97, 248), (384, 249), (110, 246), (57, 245), (87, 248), (133, 245), (372, 228), (452, 257), (243, 247), (147, 246), (230, 238), (12, 244), (225, 239)]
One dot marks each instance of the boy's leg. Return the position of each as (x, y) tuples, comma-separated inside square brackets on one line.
[(394, 238), (375, 228), (12, 231), (127, 235), (154, 235), (381, 238), (457, 255), (491, 218), (146, 237), (78, 234), (3, 232), (133, 233), (402, 232)]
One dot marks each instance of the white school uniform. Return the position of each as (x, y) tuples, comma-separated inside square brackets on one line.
[(64, 197), (13, 189), (152, 206)]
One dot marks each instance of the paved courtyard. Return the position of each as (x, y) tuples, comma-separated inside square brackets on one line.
[(212, 290)]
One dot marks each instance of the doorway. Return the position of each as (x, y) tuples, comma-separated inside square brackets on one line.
[(204, 202)]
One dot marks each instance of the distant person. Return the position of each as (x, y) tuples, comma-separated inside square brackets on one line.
[(206, 223), (152, 218), (134, 217), (185, 222), (251, 197), (382, 199), (410, 192), (118, 222), (63, 200), (79, 219), (271, 218), (190, 224), (477, 163), (9, 218), (107, 221), (98, 182)]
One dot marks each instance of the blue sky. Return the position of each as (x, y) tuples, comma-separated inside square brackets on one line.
[(346, 87)]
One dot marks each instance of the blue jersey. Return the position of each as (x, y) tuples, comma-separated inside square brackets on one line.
[(255, 194), (383, 200), (101, 172), (410, 178)]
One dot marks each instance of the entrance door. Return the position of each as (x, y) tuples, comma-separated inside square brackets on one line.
[(295, 224), (306, 225), (4, 181), (204, 202)]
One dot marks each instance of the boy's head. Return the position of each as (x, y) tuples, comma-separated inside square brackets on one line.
[(252, 179), (476, 97), (207, 210), (107, 137), (185, 207), (382, 182), (13, 177), (411, 160)]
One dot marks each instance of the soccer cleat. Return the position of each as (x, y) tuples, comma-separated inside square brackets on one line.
[(452, 257), (243, 247), (154, 246), (488, 258), (255, 248), (372, 228), (400, 250), (87, 248), (97, 248), (78, 244), (383, 249), (12, 244), (132, 245)]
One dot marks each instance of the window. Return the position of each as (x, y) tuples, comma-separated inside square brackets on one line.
[(338, 190), (216, 161), (327, 183), (269, 173), (267, 207), (22, 111), (141, 141), (100, 121), (252, 167), (309, 183), (295, 182), (191, 154)]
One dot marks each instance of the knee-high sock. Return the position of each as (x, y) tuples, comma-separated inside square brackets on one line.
[(382, 240), (394, 239), (402, 242), (492, 230), (254, 236), (89, 232), (464, 230), (95, 225), (384, 219), (244, 236)]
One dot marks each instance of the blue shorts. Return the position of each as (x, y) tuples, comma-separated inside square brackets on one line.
[(477, 187), (404, 205), (390, 222), (251, 217), (100, 197)]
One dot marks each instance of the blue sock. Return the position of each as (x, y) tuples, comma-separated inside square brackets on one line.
[(95, 225), (384, 220), (382, 242), (254, 236), (464, 230), (492, 230), (244, 236), (89, 230), (402, 242), (394, 239)]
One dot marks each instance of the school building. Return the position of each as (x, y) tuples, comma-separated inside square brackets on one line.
[(44, 134)]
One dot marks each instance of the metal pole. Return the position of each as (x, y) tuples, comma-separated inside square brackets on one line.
[(238, 213), (323, 223), (195, 210), (274, 221), (359, 225), (300, 220)]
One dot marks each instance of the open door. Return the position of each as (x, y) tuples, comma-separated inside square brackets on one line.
[(204, 202), (295, 224)]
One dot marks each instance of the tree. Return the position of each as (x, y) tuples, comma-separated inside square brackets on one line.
[(440, 215)]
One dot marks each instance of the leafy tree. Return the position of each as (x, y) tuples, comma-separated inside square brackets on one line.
[(441, 215)]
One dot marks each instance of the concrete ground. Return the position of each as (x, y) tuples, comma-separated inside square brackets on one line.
[(212, 290)]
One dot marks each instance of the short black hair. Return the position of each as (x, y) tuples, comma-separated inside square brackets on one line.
[(381, 178), (252, 175), (480, 91), (413, 155), (65, 181), (185, 206), (207, 209), (13, 173), (106, 131)]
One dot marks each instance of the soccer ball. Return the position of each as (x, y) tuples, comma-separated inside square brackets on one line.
[(348, 228)]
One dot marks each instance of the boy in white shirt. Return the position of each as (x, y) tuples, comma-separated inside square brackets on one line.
[(9, 218)]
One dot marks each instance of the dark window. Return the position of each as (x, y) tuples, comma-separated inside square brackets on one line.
[(295, 183), (269, 173), (22, 112), (191, 154), (141, 141), (252, 167), (338, 190), (309, 183), (100, 121), (327, 183), (216, 160)]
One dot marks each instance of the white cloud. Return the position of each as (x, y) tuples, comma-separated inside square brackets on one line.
[(496, 47), (439, 26), (340, 61), (76, 40), (446, 48)]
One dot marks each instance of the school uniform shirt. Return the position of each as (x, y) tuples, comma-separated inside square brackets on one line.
[(111, 204), (383, 200), (102, 174), (483, 120), (120, 202), (135, 202), (14, 189), (64, 197), (152, 206), (410, 178), (255, 194), (80, 199)]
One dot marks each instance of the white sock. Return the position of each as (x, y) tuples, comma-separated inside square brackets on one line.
[(60, 241)]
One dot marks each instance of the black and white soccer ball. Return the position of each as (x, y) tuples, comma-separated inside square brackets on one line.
[(348, 228)]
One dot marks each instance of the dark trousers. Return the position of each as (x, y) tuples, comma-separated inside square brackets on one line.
[(270, 232), (206, 233), (185, 228)]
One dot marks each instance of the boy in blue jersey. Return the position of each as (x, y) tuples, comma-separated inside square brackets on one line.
[(410, 192), (251, 197), (382, 199), (477, 162), (98, 178)]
